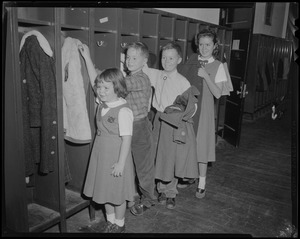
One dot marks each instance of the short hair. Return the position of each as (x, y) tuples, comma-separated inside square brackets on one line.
[(173, 45), (208, 33), (115, 76), (139, 46)]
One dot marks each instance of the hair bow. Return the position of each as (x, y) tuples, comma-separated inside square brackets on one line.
[(203, 63)]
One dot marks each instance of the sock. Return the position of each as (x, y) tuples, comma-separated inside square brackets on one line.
[(202, 182), (111, 218), (120, 222)]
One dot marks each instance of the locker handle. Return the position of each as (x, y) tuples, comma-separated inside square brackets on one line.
[(243, 91)]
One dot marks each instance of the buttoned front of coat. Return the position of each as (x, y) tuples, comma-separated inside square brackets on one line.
[(39, 107)]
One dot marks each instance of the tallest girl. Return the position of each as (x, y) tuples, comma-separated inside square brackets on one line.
[(211, 78)]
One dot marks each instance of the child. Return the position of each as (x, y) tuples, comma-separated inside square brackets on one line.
[(140, 92), (209, 76), (110, 175), (168, 84)]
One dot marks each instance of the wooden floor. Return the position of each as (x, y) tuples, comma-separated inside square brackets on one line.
[(248, 191)]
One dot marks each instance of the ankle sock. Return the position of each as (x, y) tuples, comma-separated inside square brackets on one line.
[(120, 222), (111, 218), (202, 181)]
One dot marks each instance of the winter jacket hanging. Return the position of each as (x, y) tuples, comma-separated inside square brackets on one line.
[(76, 121), (38, 89)]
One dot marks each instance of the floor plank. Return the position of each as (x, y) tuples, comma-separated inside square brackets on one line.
[(248, 191)]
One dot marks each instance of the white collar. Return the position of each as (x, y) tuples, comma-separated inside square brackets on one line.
[(170, 75), (41, 39), (116, 103)]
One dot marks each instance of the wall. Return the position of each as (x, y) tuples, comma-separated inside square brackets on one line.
[(278, 20), (210, 15)]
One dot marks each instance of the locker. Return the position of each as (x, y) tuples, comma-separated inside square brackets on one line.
[(48, 199)]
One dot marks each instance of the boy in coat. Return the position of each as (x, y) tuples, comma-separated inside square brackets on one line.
[(168, 84)]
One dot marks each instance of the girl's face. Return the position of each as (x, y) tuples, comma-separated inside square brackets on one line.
[(170, 59), (135, 60), (206, 47), (106, 92)]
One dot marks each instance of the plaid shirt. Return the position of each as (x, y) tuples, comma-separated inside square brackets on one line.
[(139, 88)]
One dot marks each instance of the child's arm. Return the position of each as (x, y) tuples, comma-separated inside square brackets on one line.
[(85, 52), (125, 119), (118, 167), (152, 73), (227, 86)]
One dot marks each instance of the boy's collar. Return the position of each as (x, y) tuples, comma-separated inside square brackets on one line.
[(141, 70), (170, 74)]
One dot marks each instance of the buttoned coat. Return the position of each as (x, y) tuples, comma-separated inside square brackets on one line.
[(39, 107)]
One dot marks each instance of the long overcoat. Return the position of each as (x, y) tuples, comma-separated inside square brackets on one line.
[(176, 153), (39, 108)]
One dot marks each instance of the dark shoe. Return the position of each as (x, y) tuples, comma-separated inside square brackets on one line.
[(200, 193), (170, 204), (138, 209), (162, 198), (108, 227), (116, 229), (86, 229), (186, 183), (148, 202), (94, 228)]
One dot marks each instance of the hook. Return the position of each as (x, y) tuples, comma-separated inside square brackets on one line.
[(274, 116), (100, 43), (123, 44)]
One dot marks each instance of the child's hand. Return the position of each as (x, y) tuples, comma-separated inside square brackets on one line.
[(202, 73), (117, 170), (98, 71), (84, 50)]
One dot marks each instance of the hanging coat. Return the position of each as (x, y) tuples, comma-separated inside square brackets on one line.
[(39, 107), (76, 121), (190, 71), (176, 153)]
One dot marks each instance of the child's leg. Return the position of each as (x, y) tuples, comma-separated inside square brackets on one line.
[(202, 176), (144, 162), (110, 213), (161, 187), (171, 188), (200, 192), (119, 224), (120, 214)]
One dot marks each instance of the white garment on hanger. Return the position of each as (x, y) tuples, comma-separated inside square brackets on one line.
[(76, 121), (41, 39)]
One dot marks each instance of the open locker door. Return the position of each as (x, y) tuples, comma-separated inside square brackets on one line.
[(235, 102)]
